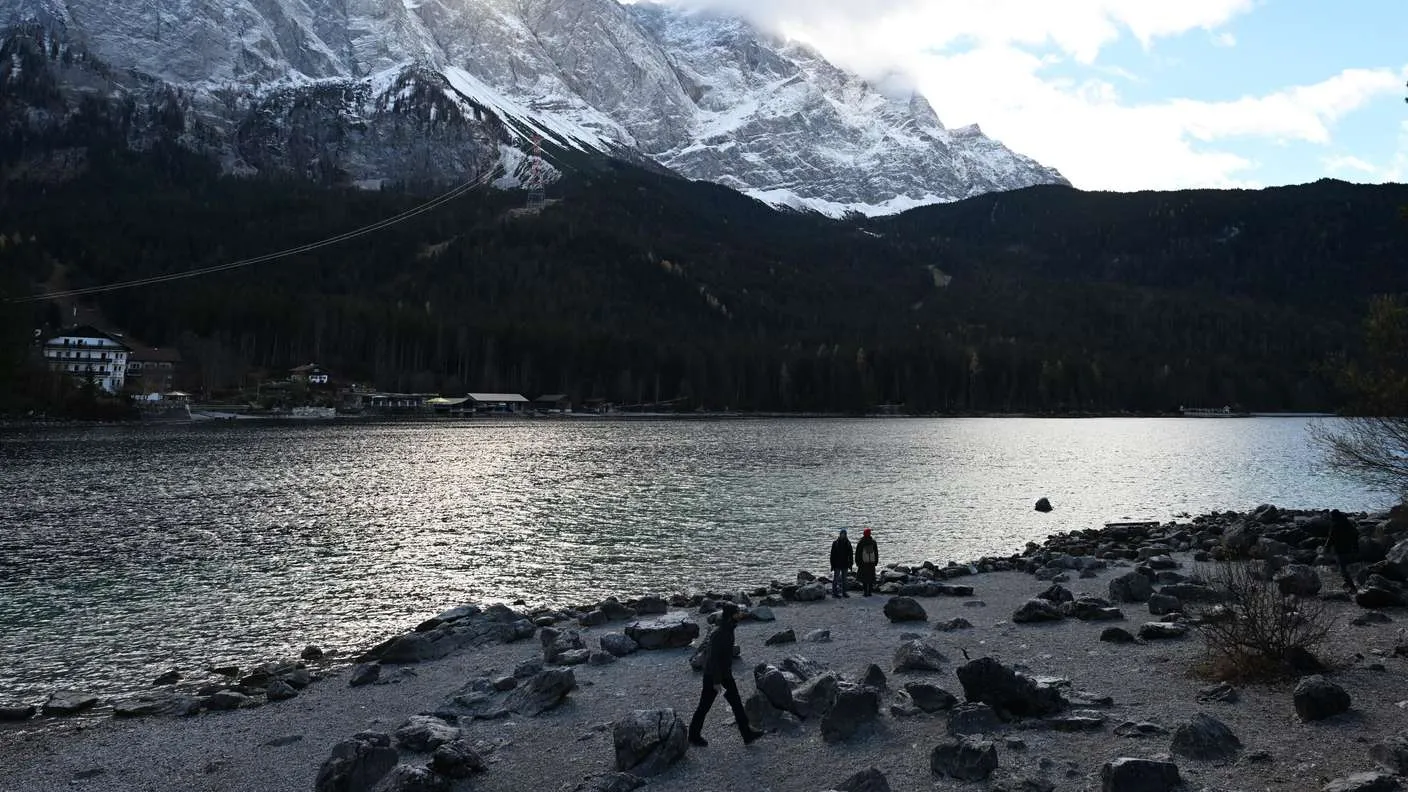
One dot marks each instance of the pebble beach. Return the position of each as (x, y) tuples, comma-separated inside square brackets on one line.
[(909, 689)]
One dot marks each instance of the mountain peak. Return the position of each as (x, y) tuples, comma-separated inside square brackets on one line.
[(706, 95)]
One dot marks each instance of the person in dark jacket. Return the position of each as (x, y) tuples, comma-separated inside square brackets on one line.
[(718, 672), (842, 557), (867, 558), (1344, 542)]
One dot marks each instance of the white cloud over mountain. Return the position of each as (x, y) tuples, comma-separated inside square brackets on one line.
[(1008, 65)]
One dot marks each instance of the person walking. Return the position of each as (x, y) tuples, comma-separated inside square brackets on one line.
[(867, 558), (718, 672), (1344, 542), (842, 557)]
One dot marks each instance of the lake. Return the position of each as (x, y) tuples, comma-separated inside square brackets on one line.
[(126, 551)]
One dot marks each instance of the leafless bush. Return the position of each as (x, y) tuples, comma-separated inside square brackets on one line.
[(1257, 632)]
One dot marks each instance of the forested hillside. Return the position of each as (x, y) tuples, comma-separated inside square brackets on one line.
[(638, 288)]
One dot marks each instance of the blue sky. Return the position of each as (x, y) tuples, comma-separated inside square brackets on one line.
[(1144, 94)]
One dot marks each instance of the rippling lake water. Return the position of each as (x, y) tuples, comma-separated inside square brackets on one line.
[(128, 551)]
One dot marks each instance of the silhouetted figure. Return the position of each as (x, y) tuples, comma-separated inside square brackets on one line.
[(718, 671), (867, 558), (842, 557), (1344, 541)]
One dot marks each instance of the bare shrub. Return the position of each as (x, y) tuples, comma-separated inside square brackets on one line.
[(1257, 632)]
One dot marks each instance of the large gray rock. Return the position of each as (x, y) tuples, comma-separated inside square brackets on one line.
[(364, 674), (412, 778), (1131, 587), (967, 758), (1205, 737), (225, 700), (664, 633), (772, 684), (456, 759), (918, 656), (649, 741), (409, 648), (1037, 610), (1139, 775), (542, 692), (561, 644), (425, 733), (990, 682), (1162, 604), (16, 712), (905, 609), (1397, 558), (811, 592), (1363, 782), (802, 667), (1317, 698), (1299, 580), (356, 765), (815, 697), (787, 636), (854, 708), (930, 698), (618, 644), (1392, 754), (763, 715), (68, 702), (973, 718), (1162, 631)]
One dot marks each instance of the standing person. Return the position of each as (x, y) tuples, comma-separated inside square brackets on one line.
[(842, 557), (718, 671), (1344, 541), (867, 558)]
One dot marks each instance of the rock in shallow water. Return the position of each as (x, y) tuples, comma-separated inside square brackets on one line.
[(68, 702)]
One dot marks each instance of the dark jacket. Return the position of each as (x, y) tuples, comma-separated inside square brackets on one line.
[(842, 556), (718, 663), (867, 552), (1344, 534)]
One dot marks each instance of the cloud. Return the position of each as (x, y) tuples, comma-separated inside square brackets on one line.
[(992, 62)]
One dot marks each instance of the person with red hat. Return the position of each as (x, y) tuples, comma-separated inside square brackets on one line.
[(867, 558)]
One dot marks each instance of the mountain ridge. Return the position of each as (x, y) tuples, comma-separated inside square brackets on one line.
[(705, 96)]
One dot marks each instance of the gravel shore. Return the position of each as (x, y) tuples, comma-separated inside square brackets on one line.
[(281, 746)]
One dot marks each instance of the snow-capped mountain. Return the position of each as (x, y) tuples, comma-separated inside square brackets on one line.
[(369, 90)]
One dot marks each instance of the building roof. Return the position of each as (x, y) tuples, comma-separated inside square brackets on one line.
[(513, 398), (552, 397), (306, 368), (441, 401), (89, 331)]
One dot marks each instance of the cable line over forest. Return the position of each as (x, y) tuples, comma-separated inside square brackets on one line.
[(430, 205)]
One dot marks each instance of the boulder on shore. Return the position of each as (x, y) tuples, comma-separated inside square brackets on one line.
[(649, 741), (664, 633)]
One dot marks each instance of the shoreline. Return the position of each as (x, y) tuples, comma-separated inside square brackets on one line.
[(320, 663), (1113, 689), (284, 420)]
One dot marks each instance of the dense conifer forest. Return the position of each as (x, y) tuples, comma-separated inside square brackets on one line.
[(641, 289)]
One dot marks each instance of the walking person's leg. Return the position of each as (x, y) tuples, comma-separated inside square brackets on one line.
[(740, 716), (706, 700), (1342, 561), (841, 575)]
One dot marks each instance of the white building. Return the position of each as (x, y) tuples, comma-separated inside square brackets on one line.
[(89, 354)]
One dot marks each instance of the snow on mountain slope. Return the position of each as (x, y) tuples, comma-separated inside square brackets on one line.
[(708, 97)]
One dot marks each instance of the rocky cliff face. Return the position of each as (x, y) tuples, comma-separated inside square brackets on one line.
[(366, 91)]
